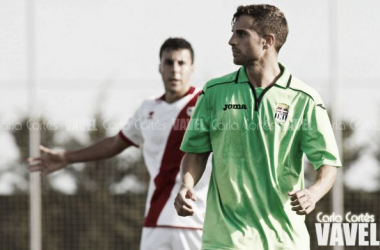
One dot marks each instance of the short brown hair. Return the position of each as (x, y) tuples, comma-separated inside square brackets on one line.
[(176, 44), (268, 19)]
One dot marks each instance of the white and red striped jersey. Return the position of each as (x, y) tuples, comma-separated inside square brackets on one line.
[(158, 127)]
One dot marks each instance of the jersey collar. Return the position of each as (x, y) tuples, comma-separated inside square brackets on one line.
[(283, 81)]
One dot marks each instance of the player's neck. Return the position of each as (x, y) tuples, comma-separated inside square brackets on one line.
[(263, 73), (171, 97)]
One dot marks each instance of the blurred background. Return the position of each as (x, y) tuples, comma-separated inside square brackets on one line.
[(83, 67)]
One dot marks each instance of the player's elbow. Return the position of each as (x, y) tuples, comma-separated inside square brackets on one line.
[(117, 145)]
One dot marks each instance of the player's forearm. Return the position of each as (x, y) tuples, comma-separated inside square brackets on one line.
[(324, 181), (193, 166), (106, 148)]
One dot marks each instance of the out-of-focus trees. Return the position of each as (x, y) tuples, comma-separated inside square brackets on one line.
[(355, 201), (95, 216)]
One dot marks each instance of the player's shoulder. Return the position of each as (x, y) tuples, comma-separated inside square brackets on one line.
[(150, 102), (226, 79), (157, 100), (300, 86)]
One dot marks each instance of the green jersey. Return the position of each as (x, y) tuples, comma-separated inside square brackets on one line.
[(258, 137)]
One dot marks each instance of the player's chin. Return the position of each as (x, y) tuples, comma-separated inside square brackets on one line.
[(238, 61)]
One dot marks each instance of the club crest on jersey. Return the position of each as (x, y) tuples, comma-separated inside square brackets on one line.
[(150, 115), (190, 111), (281, 113)]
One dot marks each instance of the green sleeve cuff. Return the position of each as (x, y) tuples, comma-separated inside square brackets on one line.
[(318, 165)]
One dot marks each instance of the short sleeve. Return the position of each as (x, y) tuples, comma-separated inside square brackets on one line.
[(318, 141), (131, 132), (197, 135)]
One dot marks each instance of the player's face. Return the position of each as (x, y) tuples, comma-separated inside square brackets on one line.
[(247, 45), (176, 69)]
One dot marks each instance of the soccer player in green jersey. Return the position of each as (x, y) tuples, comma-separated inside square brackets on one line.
[(258, 122)]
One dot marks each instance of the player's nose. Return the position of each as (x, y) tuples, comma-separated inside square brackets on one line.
[(176, 68), (232, 41)]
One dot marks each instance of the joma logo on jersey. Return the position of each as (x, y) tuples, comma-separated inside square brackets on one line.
[(281, 113), (234, 106)]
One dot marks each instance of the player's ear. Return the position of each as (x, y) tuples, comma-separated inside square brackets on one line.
[(269, 41)]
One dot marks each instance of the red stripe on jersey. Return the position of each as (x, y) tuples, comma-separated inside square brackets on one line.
[(191, 90), (170, 164), (127, 140)]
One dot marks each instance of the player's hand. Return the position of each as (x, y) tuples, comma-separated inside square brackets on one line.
[(181, 204), (302, 201), (49, 161)]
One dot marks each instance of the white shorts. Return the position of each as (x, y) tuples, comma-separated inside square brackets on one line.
[(160, 238)]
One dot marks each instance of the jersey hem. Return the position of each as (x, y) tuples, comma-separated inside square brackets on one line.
[(177, 227), (216, 248), (198, 150)]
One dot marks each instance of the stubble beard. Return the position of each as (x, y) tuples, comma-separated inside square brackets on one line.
[(238, 61)]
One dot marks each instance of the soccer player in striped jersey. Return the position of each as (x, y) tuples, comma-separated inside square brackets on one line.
[(157, 126)]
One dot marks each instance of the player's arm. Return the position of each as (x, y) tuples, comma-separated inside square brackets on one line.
[(304, 201), (193, 166), (51, 160), (319, 145)]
